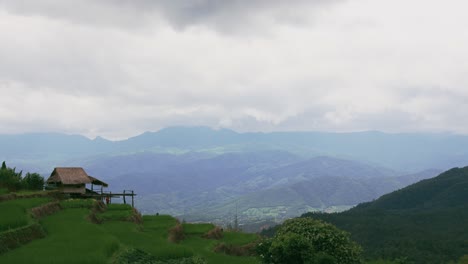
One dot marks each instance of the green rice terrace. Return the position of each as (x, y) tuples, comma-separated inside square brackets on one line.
[(39, 228)]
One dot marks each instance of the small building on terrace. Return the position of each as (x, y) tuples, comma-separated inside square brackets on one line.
[(73, 180)]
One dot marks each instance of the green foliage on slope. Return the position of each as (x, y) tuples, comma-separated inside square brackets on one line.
[(305, 240), (10, 180), (426, 222)]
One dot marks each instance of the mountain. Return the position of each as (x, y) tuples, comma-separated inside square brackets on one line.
[(411, 152), (426, 222), (264, 184), (202, 172)]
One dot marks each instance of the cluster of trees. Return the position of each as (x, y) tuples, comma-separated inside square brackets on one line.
[(14, 181), (306, 240)]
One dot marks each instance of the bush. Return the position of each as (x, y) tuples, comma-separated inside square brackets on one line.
[(32, 181), (176, 234), (215, 233), (9, 178), (305, 240)]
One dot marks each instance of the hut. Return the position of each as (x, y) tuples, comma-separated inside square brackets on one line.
[(72, 180)]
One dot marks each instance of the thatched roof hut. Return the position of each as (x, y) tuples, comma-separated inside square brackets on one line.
[(72, 180)]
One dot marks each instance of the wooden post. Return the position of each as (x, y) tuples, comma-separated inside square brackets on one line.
[(133, 206), (125, 202)]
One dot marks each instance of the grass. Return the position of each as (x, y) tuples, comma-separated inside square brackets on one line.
[(72, 238), (121, 212), (4, 191), (197, 229), (77, 203), (238, 238), (152, 237), (15, 214)]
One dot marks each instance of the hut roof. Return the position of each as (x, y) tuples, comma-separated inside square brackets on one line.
[(69, 176), (97, 181)]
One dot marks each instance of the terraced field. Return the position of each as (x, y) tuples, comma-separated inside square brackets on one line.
[(72, 236)]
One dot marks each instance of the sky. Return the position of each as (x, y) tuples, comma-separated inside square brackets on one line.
[(119, 68)]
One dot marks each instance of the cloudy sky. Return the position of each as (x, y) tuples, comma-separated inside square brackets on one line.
[(119, 68)]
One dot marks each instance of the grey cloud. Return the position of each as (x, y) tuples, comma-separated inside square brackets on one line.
[(221, 15)]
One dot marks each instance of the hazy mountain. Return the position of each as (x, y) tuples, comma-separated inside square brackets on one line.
[(401, 152), (188, 170), (264, 184)]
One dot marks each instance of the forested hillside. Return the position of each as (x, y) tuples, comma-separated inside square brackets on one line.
[(426, 222)]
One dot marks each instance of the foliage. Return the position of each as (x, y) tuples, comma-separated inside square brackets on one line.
[(3, 190), (423, 223), (306, 240), (9, 178), (176, 234), (32, 181), (215, 233), (13, 181)]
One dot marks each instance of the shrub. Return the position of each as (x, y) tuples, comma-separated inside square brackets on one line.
[(176, 233), (305, 240), (9, 178), (32, 181), (215, 233)]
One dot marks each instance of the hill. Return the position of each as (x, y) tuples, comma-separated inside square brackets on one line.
[(40, 230), (426, 222)]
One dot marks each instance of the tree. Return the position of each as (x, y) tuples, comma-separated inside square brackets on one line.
[(306, 240), (9, 178), (33, 181)]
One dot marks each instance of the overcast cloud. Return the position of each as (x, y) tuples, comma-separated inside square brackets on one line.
[(119, 68)]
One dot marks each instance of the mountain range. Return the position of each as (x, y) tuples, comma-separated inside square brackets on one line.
[(201, 174)]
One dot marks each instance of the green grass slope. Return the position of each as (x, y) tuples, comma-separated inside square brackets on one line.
[(426, 222), (14, 212), (72, 238)]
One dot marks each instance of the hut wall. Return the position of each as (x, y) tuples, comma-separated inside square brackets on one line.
[(73, 189)]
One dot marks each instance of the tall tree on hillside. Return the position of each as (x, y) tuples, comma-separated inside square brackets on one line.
[(9, 178)]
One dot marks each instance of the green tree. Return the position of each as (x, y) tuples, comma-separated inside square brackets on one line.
[(33, 181), (9, 178), (306, 240)]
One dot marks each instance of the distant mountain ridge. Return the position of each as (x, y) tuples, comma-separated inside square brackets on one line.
[(265, 184), (402, 152)]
